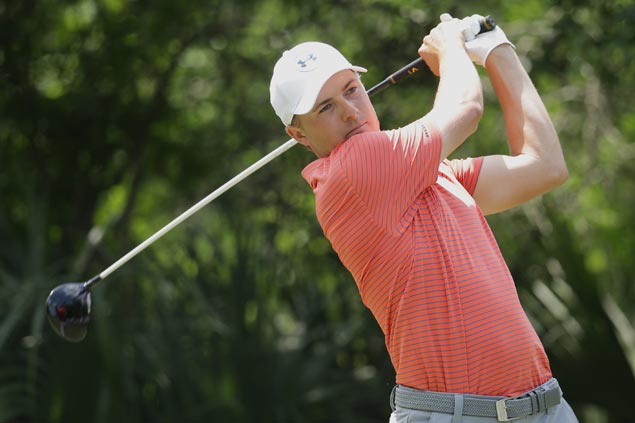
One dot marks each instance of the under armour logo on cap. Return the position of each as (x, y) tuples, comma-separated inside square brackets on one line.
[(307, 62)]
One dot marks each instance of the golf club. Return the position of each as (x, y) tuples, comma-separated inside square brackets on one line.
[(485, 24), (68, 305)]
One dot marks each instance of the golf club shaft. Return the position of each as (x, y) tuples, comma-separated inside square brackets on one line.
[(487, 24), (189, 212)]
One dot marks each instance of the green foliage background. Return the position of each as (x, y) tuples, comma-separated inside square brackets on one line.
[(117, 115)]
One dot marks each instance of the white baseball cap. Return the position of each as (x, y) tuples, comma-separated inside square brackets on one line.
[(299, 75)]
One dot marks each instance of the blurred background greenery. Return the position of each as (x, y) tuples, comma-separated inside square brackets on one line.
[(117, 115)]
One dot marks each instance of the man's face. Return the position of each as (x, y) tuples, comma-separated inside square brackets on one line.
[(342, 109)]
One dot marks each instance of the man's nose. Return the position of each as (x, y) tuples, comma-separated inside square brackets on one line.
[(350, 111)]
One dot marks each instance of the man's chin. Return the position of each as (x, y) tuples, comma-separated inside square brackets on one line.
[(357, 131)]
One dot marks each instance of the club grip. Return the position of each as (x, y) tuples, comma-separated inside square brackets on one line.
[(486, 24)]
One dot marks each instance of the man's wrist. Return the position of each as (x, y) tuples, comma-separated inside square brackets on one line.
[(452, 56), (499, 54)]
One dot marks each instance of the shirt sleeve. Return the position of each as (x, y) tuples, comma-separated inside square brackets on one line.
[(389, 169), (466, 172)]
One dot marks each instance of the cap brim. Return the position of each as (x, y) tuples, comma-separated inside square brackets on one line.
[(307, 102)]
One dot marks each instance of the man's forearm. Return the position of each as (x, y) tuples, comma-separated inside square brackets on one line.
[(530, 130), (459, 98)]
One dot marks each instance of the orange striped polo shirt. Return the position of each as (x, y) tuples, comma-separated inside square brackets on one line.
[(426, 263)]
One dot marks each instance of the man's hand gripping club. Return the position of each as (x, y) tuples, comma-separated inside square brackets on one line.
[(479, 46)]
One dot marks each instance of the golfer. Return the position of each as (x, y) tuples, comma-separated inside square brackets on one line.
[(408, 222)]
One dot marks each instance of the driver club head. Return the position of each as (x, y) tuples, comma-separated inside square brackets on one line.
[(68, 310)]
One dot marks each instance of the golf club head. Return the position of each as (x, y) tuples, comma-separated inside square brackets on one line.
[(68, 310)]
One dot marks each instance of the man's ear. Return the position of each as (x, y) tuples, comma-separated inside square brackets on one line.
[(299, 135)]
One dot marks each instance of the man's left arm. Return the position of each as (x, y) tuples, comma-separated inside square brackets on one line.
[(535, 164)]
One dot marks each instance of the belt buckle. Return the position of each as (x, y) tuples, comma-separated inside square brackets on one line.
[(501, 412)]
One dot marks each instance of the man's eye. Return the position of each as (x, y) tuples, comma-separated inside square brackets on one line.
[(325, 108), (351, 90)]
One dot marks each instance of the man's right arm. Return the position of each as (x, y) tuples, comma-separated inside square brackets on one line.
[(458, 105)]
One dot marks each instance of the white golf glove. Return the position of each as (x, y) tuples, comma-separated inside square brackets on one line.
[(480, 46), (469, 25)]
